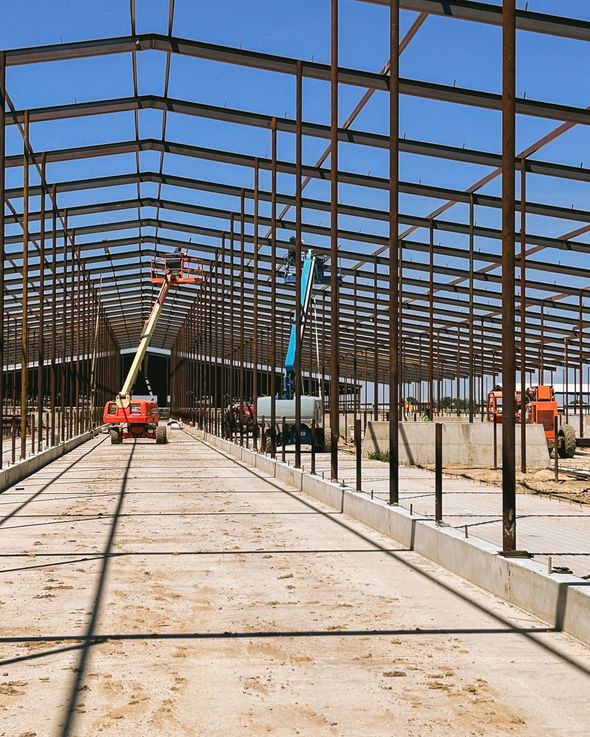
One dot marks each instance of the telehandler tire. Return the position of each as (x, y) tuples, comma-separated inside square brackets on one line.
[(566, 441), (116, 437), (161, 435)]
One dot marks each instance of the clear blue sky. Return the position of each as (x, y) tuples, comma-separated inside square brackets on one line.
[(444, 51)]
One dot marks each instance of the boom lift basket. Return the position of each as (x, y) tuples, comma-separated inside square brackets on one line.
[(180, 268)]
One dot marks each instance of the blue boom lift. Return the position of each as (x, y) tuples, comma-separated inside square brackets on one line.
[(313, 272)]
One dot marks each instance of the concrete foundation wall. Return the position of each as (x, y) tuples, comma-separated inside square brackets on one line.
[(574, 421), (464, 444), (14, 474), (561, 600)]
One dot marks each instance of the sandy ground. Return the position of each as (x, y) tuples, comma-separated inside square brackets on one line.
[(167, 590)]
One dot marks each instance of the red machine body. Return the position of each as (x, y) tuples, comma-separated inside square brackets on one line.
[(139, 420)]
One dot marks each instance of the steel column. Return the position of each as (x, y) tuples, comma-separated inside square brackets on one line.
[(298, 213), (394, 290), (508, 287), (25, 294), (334, 286)]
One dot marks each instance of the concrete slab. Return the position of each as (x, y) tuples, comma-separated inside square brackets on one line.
[(203, 602)]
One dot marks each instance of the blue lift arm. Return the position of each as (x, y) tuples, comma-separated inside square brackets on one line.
[(312, 271)]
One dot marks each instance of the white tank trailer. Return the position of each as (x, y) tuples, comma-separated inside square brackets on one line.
[(311, 410)]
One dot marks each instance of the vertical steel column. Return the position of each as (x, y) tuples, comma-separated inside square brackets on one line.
[(431, 321), (355, 346), (215, 352), (52, 379), (298, 316), (2, 238), (71, 332), (41, 346), (471, 367), (255, 306), (62, 369), (334, 286), (25, 294), (523, 315), (273, 292), (394, 289), (223, 388), (375, 344), (508, 264), (242, 297), (581, 343), (566, 371), (231, 312)]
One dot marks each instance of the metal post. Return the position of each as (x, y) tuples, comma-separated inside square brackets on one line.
[(242, 299), (495, 441), (523, 315), (298, 208), (555, 446), (438, 467), (375, 350), (273, 292), (508, 263), (255, 308), (283, 438), (471, 367), (358, 453), (431, 321), (313, 436), (581, 374), (52, 381), (394, 290), (2, 239), (334, 287), (41, 346), (25, 294)]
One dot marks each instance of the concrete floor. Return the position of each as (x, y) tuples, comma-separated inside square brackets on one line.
[(168, 590)]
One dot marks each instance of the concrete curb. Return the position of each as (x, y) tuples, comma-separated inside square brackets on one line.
[(20, 471), (561, 600)]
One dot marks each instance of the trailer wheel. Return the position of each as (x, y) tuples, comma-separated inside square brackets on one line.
[(269, 436), (161, 436), (319, 440), (567, 441), (116, 437)]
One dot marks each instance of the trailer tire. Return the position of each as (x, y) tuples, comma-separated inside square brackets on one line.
[(319, 440), (161, 435), (116, 437), (567, 441)]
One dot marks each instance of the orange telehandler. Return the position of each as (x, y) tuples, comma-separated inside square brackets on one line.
[(541, 409)]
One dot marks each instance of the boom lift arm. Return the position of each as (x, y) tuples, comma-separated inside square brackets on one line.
[(123, 398), (177, 268), (312, 270)]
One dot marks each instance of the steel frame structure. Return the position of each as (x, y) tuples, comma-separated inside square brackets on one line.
[(75, 295)]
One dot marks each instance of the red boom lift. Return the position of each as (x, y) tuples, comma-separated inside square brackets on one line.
[(129, 418)]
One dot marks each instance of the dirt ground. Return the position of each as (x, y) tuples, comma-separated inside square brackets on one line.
[(167, 590), (573, 483)]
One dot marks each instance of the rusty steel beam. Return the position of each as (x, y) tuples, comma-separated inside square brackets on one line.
[(334, 286), (508, 281), (394, 260)]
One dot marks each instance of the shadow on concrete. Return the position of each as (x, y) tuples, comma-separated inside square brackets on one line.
[(430, 577)]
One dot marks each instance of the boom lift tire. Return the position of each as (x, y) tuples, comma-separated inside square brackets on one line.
[(116, 437), (161, 436), (566, 442)]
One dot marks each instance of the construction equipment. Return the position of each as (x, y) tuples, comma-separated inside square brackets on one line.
[(130, 418), (540, 409), (313, 272)]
